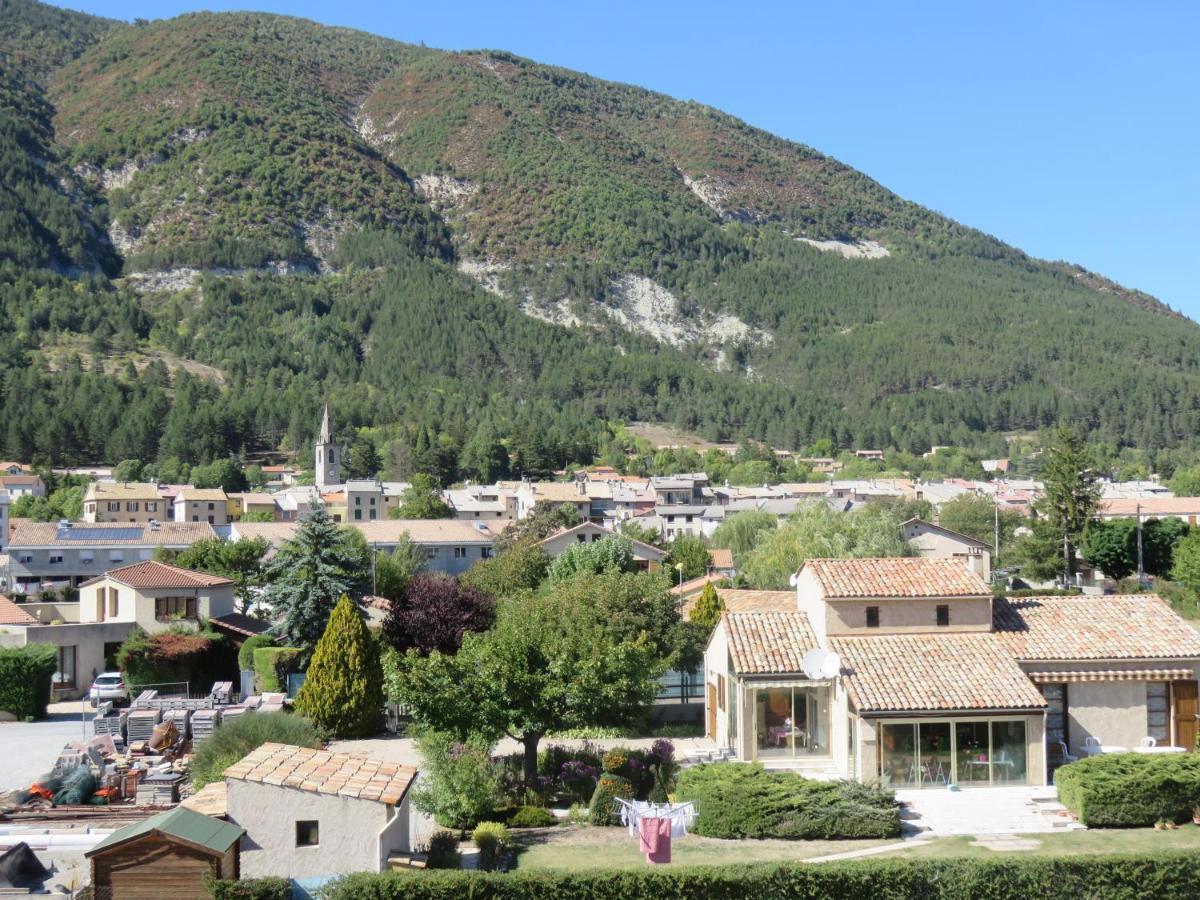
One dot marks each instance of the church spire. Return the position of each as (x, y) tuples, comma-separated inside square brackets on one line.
[(325, 437)]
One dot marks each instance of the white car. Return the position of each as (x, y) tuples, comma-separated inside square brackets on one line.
[(109, 688)]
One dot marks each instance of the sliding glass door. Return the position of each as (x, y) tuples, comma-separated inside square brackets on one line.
[(938, 753), (792, 721)]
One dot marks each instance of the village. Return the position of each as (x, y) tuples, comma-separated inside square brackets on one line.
[(159, 650)]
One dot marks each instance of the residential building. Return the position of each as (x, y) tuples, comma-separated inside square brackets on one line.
[(256, 502), (172, 854), (906, 671), (647, 557), (554, 494), (209, 505), (364, 501), (23, 486), (4, 523), (13, 468), (482, 501), (52, 555), (120, 501), (680, 490), (935, 542), (309, 814), (1185, 508), (326, 455), (155, 596), (450, 545), (675, 521)]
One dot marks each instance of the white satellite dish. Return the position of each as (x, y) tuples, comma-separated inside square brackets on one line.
[(832, 666), (793, 579), (814, 663)]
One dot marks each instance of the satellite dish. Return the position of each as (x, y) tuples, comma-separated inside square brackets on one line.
[(792, 579), (832, 666), (814, 663)]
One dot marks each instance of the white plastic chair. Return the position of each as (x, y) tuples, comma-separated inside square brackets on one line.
[(1067, 756), (1091, 745), (1148, 742)]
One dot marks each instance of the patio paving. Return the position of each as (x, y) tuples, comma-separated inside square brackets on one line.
[(983, 811)]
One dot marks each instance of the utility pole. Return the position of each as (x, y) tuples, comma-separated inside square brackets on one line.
[(1141, 567), (1066, 557), (996, 534)]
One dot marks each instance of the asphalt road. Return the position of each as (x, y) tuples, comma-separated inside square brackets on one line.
[(29, 749)]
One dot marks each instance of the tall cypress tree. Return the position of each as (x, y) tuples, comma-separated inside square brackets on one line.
[(343, 693), (308, 575)]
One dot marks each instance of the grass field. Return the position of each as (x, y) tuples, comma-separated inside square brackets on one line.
[(583, 847)]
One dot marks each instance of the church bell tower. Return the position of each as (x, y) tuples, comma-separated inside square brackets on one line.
[(327, 465)]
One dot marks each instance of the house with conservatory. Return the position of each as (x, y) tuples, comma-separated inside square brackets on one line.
[(907, 671)]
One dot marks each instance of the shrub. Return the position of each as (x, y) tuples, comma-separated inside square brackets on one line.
[(442, 852), (246, 651), (492, 839), (614, 761), (249, 889), (608, 788), (1166, 874), (25, 674), (231, 742), (272, 666), (532, 817), (1128, 790), (460, 786), (343, 692), (742, 800), (178, 654)]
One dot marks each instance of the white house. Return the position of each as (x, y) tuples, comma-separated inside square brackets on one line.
[(935, 542), (155, 596)]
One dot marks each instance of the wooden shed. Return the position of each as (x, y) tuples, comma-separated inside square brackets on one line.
[(166, 855)]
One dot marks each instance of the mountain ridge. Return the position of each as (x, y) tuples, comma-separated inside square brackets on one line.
[(736, 283)]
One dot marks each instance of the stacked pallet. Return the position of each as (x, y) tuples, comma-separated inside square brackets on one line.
[(204, 722), (110, 724), (140, 725), (158, 790)]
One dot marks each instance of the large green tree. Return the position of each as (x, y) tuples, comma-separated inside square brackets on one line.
[(422, 500), (976, 516), (689, 556), (309, 574), (241, 560), (546, 665), (343, 690), (818, 532), (1071, 490), (741, 531), (520, 567)]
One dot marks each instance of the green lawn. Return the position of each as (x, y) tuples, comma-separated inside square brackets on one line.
[(582, 847)]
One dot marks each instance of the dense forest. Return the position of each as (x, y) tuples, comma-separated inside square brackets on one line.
[(209, 225)]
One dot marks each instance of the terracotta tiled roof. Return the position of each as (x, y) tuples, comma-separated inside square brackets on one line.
[(103, 534), (199, 494), (768, 642), (1134, 626), (20, 480), (721, 558), (897, 672), (324, 772), (558, 492), (1151, 506), (154, 574), (11, 614), (692, 588), (910, 576), (429, 531), (121, 490), (737, 600)]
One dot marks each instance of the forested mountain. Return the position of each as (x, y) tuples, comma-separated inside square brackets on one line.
[(210, 224)]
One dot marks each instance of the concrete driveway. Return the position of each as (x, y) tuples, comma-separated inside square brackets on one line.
[(28, 750)]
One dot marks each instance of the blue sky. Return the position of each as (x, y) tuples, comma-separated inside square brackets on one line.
[(1069, 129)]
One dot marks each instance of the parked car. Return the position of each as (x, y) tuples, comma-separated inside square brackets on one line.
[(109, 688)]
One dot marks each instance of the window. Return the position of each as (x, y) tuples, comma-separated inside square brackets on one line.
[(114, 506), (943, 616), (1056, 714), (116, 556), (872, 616), (25, 558), (372, 501), (1158, 711), (358, 501), (374, 515), (86, 558), (131, 506), (581, 538), (166, 608), (195, 518), (460, 552), (151, 507), (358, 515), (687, 519), (308, 833), (64, 678), (56, 559), (485, 552), (210, 520), (112, 602), (431, 552), (792, 721), (210, 506), (721, 693)]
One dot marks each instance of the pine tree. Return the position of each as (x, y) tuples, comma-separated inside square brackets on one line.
[(1072, 494), (308, 575), (343, 693), (708, 609)]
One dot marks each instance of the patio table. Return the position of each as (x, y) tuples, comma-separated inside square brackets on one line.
[(1160, 750), (1093, 750)]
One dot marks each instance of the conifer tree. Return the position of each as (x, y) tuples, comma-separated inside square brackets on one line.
[(308, 575), (708, 609), (343, 693)]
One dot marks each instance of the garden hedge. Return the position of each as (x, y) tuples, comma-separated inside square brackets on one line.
[(25, 674), (249, 889), (744, 800), (1123, 877), (272, 665), (245, 656), (1129, 790)]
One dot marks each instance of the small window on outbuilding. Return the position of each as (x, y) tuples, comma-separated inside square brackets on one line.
[(872, 616), (943, 616), (308, 833)]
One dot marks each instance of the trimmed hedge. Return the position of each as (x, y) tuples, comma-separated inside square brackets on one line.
[(744, 800), (608, 788), (246, 651), (25, 674), (272, 666), (532, 817), (1124, 877), (249, 889), (1129, 790)]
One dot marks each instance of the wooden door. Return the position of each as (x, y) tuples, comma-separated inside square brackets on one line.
[(1186, 709), (710, 729)]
